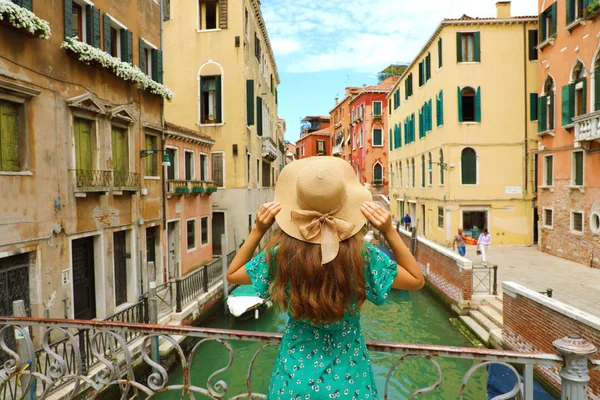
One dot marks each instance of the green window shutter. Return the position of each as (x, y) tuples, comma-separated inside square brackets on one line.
[(107, 38), (533, 106), (542, 28), (440, 58), (542, 114), (584, 96), (68, 14), (554, 16), (579, 168), (570, 11), (477, 46), (391, 140), (460, 111), (459, 55), (159, 66), (218, 99), (127, 46), (430, 115), (567, 104), (250, 102), (469, 167), (441, 107), (406, 89), (27, 4), (9, 137), (478, 105), (96, 28), (150, 160), (533, 41), (397, 137), (119, 150), (597, 89), (437, 110), (89, 25), (549, 171), (399, 141), (142, 48), (259, 122), (428, 67), (83, 144)]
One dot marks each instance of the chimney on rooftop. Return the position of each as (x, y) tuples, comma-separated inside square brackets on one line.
[(337, 101), (503, 10)]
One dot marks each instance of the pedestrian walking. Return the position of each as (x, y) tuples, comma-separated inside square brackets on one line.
[(459, 242), (483, 243), (407, 222), (321, 207)]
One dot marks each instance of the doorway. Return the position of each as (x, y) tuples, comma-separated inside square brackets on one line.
[(120, 264), (218, 229), (536, 221), (84, 284), (474, 222), (173, 248)]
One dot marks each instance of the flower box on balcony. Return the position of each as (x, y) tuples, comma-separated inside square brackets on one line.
[(377, 116), (23, 20), (592, 10), (211, 189), (198, 190), (180, 190)]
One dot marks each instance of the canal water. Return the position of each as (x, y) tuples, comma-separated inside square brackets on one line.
[(411, 317)]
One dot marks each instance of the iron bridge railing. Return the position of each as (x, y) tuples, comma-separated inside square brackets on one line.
[(485, 280), (188, 288), (22, 378)]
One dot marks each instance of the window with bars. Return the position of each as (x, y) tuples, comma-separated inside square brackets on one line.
[(548, 218), (577, 221)]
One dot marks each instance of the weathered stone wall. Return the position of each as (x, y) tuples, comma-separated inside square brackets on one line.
[(533, 321)]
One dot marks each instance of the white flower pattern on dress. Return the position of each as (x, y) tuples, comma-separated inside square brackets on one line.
[(337, 351)]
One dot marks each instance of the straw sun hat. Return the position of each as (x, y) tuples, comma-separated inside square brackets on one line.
[(320, 201)]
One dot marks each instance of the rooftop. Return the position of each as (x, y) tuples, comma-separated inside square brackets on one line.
[(169, 126)]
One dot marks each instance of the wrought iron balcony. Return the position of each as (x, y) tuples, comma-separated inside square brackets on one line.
[(120, 347), (269, 149), (129, 181), (92, 180), (587, 128)]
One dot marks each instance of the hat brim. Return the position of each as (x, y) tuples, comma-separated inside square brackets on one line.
[(285, 194)]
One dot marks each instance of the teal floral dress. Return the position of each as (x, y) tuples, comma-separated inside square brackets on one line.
[(326, 361)]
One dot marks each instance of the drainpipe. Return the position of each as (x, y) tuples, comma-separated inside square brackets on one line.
[(525, 140)]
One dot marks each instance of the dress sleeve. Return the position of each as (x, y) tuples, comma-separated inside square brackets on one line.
[(379, 276), (258, 271)]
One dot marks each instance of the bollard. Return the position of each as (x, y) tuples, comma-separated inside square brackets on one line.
[(153, 309), (574, 374), (495, 287), (225, 267)]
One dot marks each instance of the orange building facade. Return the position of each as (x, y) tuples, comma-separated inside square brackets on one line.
[(341, 143), (313, 144), (188, 205), (568, 115)]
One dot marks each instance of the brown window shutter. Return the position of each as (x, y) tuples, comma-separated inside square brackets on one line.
[(223, 14)]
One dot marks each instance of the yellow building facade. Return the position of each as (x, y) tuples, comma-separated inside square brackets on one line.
[(221, 66), (463, 132)]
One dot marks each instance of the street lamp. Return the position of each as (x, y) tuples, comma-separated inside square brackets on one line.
[(166, 160)]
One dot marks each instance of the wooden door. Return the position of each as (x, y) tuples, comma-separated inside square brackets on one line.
[(83, 144), (84, 291), (120, 263)]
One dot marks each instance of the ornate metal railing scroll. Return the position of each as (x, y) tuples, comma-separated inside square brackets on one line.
[(23, 377)]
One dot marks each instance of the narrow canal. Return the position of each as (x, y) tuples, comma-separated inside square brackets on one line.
[(407, 317)]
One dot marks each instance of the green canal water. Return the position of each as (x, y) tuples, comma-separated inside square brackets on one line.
[(414, 317)]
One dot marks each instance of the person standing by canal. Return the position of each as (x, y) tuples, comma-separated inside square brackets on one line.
[(320, 271), (484, 241), (407, 222), (459, 241)]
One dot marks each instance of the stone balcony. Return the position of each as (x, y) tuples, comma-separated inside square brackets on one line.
[(269, 149), (587, 128)]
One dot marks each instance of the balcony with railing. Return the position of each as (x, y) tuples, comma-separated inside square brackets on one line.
[(37, 374), (269, 149), (183, 187), (126, 181), (92, 180), (587, 128)]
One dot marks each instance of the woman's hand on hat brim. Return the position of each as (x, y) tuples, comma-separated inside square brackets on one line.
[(265, 217), (377, 216)]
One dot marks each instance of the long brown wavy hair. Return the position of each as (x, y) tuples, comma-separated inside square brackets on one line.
[(311, 291)]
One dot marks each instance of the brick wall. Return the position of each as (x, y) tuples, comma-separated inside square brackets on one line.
[(447, 272), (533, 321)]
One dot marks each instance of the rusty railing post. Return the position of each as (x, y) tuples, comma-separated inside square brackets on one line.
[(153, 309), (575, 373), (225, 267), (495, 284), (178, 295)]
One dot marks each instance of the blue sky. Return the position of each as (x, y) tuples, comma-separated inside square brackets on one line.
[(322, 46)]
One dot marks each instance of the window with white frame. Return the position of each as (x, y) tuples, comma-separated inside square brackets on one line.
[(549, 170), (208, 15), (548, 217), (577, 221), (377, 174), (191, 234), (203, 167), (190, 173), (362, 137), (173, 169), (378, 137), (577, 168), (377, 109), (211, 100), (204, 236), (117, 39), (321, 147), (595, 222)]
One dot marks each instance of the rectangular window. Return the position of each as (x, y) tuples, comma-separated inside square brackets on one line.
[(575, 10), (218, 169), (115, 41), (549, 170), (204, 231), (440, 217), (577, 169), (9, 137), (533, 42), (428, 67), (191, 234), (377, 137), (84, 144), (210, 100), (77, 22), (120, 153), (257, 47), (210, 20), (421, 73), (362, 137), (190, 174), (266, 174), (203, 167), (547, 23), (320, 147), (439, 49), (172, 171), (377, 109), (468, 46), (577, 222), (548, 218)]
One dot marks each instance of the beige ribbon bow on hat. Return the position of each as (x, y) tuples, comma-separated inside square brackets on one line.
[(332, 230)]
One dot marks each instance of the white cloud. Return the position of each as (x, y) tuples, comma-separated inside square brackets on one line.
[(327, 35)]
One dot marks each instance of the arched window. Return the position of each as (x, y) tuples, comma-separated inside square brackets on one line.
[(423, 171), (377, 174), (413, 173), (467, 105), (579, 87), (546, 106), (430, 168), (210, 94), (468, 163), (441, 167)]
